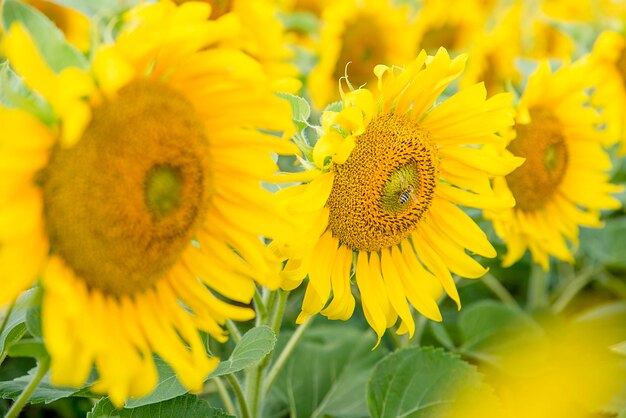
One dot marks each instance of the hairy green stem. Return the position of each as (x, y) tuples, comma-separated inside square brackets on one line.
[(255, 376), (277, 317), (234, 331), (499, 290), (20, 402), (284, 355), (261, 309), (420, 327), (243, 405), (537, 288), (573, 287), (224, 396)]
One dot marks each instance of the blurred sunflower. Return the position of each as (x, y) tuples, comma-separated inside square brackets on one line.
[(453, 25), (262, 36), (542, 22), (392, 169), (493, 53), (567, 368), (563, 184), (130, 205), (358, 34), (608, 58), (73, 24)]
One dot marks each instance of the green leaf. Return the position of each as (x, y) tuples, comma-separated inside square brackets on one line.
[(15, 327), (253, 347), (49, 39), (15, 94), (334, 107), (622, 414), (605, 246), (327, 373), (304, 22), (32, 347), (33, 320), (300, 108), (182, 406), (488, 326), (428, 383), (44, 392), (97, 8)]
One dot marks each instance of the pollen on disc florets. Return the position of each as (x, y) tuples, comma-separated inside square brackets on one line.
[(543, 145), (386, 186), (122, 204)]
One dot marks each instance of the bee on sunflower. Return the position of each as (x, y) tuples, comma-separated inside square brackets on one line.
[(391, 169)]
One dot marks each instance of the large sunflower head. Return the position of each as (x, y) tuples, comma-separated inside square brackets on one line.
[(356, 35), (563, 184), (142, 198), (392, 170), (608, 59)]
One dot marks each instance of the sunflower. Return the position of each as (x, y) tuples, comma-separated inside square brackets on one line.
[(391, 170), (143, 199), (493, 52), (262, 36), (609, 60), (453, 25), (563, 184), (358, 34)]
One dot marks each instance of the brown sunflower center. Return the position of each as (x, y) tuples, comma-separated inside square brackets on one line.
[(446, 36), (386, 186), (543, 145), (362, 47), (123, 203)]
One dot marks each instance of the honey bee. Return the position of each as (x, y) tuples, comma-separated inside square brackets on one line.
[(406, 192)]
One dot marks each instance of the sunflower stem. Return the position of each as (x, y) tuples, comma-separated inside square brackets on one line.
[(537, 288), (284, 355), (420, 327), (234, 331), (261, 309), (277, 318), (254, 380), (397, 341), (224, 396), (243, 405), (499, 290), (255, 376), (20, 402), (573, 287)]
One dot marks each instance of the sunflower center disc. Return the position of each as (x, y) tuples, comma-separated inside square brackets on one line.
[(362, 47), (123, 203), (385, 187), (542, 143)]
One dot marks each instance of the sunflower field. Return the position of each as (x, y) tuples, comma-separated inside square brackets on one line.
[(313, 208)]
